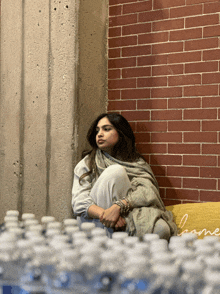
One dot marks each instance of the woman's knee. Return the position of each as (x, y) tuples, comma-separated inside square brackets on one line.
[(162, 229), (115, 171)]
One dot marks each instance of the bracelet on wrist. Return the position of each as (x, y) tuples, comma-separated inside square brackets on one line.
[(124, 209)]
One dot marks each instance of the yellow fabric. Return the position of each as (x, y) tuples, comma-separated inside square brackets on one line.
[(200, 218)]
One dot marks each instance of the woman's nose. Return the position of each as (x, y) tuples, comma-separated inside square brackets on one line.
[(100, 133)]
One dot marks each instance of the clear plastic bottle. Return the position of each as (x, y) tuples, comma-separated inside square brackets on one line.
[(105, 278), (119, 236), (192, 277), (37, 227), (143, 248), (212, 280), (45, 220), (158, 245), (166, 280), (70, 230), (87, 227), (54, 226), (217, 248), (12, 213), (69, 277), (100, 240), (10, 221), (211, 240), (203, 252), (148, 238), (10, 225), (111, 243), (183, 255), (162, 258), (90, 265), (26, 252), (189, 239), (78, 238), (130, 241), (10, 218), (26, 216), (135, 277), (10, 267), (17, 231), (30, 222), (39, 271), (51, 233), (212, 263), (176, 243), (70, 222), (97, 231)]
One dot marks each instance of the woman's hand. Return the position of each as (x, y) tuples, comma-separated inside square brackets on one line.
[(120, 223), (111, 216)]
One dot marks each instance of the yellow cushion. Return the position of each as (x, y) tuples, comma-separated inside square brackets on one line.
[(202, 219)]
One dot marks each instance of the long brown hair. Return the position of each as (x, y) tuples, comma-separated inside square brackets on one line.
[(124, 149)]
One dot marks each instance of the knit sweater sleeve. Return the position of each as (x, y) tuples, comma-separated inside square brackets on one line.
[(81, 199)]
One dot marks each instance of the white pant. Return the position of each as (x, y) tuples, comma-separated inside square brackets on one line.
[(112, 184)]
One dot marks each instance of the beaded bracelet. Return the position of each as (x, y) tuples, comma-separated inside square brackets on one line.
[(128, 207), (124, 209)]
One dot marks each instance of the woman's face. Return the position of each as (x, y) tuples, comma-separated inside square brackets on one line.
[(106, 135)]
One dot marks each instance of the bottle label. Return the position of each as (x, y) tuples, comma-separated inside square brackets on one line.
[(6, 289), (132, 285), (104, 282)]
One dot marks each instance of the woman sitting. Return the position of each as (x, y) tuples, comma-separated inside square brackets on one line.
[(114, 186)]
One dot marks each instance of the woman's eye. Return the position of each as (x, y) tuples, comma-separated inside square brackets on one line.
[(107, 129)]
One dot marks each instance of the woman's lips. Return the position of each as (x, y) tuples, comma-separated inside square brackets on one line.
[(100, 141)]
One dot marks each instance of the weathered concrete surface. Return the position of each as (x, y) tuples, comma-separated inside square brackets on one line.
[(53, 84), (92, 79)]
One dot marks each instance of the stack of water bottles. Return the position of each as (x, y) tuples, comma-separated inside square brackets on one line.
[(51, 257)]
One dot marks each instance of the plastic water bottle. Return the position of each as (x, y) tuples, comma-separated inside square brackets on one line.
[(10, 268), (136, 276), (26, 216), (211, 240), (100, 240), (87, 227), (111, 243), (176, 243), (183, 255), (150, 237), (17, 231), (212, 279), (192, 277), (105, 278), (143, 248), (45, 220), (158, 246), (166, 280), (69, 277), (30, 222), (212, 263), (131, 241), (203, 252), (12, 213), (162, 258), (97, 231), (70, 222), (38, 271), (10, 218), (119, 236)]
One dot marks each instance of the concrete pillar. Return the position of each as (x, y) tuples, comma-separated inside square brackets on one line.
[(42, 92)]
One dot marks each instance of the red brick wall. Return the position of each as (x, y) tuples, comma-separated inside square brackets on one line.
[(164, 78)]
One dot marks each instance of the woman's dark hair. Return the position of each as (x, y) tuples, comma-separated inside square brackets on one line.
[(124, 149)]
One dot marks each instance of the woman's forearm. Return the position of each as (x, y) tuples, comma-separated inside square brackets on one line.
[(95, 211)]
